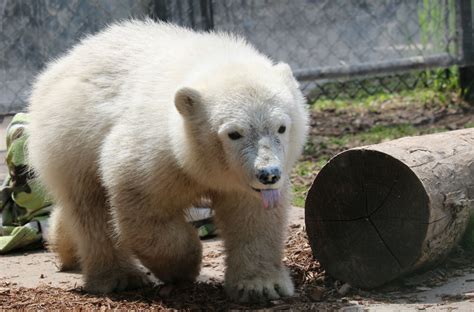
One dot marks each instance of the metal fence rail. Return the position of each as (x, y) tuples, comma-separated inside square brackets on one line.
[(328, 43)]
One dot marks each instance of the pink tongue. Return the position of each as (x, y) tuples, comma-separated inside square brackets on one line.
[(270, 198)]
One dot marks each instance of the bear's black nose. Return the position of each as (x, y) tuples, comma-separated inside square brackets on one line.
[(269, 175)]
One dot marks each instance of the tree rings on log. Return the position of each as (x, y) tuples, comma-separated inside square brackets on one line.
[(374, 213)]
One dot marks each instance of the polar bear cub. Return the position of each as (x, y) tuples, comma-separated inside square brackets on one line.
[(136, 123)]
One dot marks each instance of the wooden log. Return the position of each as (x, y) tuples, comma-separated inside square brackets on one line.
[(378, 212)]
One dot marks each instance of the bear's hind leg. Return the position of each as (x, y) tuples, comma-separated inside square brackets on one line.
[(61, 240), (161, 238), (176, 254), (105, 266)]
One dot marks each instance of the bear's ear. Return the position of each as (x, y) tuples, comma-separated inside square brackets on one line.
[(187, 101), (284, 70)]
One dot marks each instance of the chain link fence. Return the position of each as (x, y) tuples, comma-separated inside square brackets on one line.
[(337, 48), (33, 33), (340, 48)]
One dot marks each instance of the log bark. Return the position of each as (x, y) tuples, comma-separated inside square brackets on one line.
[(378, 212)]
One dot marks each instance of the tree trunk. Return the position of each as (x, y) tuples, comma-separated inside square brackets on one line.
[(377, 212)]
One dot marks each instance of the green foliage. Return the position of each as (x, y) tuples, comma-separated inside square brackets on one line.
[(303, 175), (310, 149), (378, 134), (304, 168), (372, 103), (444, 79), (469, 125), (299, 195)]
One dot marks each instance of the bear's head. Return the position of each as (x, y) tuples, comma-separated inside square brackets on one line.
[(246, 125)]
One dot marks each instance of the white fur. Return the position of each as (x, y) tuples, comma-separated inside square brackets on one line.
[(131, 127)]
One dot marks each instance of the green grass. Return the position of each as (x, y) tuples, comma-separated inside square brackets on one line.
[(345, 104), (299, 195), (378, 134), (303, 175), (376, 102), (374, 135), (469, 125)]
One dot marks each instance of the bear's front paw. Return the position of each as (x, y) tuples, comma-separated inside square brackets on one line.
[(261, 288)]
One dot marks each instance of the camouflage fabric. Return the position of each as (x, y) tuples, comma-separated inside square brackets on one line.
[(202, 219), (22, 201)]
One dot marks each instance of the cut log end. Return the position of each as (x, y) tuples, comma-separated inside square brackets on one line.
[(367, 215)]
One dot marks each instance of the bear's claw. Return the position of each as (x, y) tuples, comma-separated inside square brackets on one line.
[(260, 289)]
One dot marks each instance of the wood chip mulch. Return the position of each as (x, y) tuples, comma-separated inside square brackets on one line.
[(198, 296), (314, 290)]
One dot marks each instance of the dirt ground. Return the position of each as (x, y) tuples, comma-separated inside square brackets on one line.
[(30, 279)]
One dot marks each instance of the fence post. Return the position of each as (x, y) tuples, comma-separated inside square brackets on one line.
[(207, 14), (159, 10), (466, 72)]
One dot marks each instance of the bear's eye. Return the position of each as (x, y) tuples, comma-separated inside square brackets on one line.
[(234, 135), (282, 129)]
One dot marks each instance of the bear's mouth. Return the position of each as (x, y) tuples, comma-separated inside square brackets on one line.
[(270, 197)]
